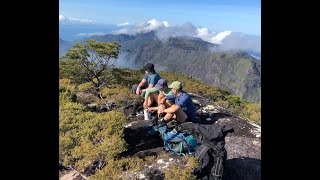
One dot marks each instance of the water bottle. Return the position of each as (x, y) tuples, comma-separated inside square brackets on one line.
[(146, 114)]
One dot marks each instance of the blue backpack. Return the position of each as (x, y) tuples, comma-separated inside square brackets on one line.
[(176, 142)]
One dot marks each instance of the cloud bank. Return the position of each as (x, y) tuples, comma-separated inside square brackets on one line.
[(70, 20), (91, 34), (123, 24), (164, 30), (227, 39)]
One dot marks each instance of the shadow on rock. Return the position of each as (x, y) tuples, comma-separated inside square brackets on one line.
[(139, 140), (154, 174), (242, 168), (206, 118)]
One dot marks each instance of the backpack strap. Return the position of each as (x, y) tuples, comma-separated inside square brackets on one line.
[(181, 136), (167, 139), (203, 151), (217, 173)]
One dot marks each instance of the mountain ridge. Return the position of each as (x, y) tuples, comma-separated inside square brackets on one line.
[(234, 70)]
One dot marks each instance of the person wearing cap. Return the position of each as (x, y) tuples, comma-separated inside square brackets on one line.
[(149, 80), (157, 94), (183, 108)]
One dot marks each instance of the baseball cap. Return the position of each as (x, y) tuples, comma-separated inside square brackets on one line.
[(176, 85), (161, 83)]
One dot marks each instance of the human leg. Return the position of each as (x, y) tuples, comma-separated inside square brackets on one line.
[(180, 116), (153, 97)]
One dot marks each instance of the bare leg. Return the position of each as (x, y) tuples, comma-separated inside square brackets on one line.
[(160, 97), (152, 97), (168, 116)]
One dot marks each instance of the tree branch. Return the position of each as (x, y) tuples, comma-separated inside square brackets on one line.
[(83, 176)]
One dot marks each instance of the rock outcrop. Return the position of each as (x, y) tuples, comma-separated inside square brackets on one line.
[(243, 145)]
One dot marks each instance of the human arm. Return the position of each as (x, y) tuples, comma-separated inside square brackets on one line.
[(149, 87), (172, 109), (152, 81), (143, 81), (161, 98)]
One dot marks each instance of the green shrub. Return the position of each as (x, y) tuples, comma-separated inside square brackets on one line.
[(67, 91), (115, 168), (118, 95), (252, 112), (87, 137), (88, 86), (181, 172)]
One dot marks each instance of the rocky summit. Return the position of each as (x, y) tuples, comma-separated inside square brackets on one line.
[(243, 145)]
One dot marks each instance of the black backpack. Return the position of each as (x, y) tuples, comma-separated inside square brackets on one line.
[(211, 153)]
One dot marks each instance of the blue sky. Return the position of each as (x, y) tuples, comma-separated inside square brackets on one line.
[(217, 15)]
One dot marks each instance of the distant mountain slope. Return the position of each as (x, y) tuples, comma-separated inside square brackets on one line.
[(236, 71)]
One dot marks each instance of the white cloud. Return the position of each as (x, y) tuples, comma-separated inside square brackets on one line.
[(212, 37), (241, 41), (71, 20), (220, 36), (143, 27), (166, 24), (186, 29), (123, 24), (61, 18), (91, 34), (163, 30)]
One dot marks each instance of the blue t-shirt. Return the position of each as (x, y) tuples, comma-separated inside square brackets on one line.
[(185, 103), (153, 79)]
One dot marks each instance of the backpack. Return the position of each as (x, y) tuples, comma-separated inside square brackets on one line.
[(211, 153), (177, 142)]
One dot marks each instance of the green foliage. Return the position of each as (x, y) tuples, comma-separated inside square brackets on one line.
[(89, 61), (88, 86), (235, 103), (232, 103), (252, 112), (195, 86), (126, 77), (115, 168), (118, 95), (73, 70), (87, 137), (249, 111), (181, 172), (67, 91)]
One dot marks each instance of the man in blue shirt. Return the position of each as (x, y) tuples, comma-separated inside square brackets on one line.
[(183, 109), (149, 80)]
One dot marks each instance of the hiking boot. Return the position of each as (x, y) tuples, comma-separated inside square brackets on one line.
[(162, 122)]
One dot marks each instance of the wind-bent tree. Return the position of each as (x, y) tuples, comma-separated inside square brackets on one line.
[(93, 58)]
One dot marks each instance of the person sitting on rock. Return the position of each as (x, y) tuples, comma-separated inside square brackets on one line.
[(149, 80), (183, 109), (157, 94)]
